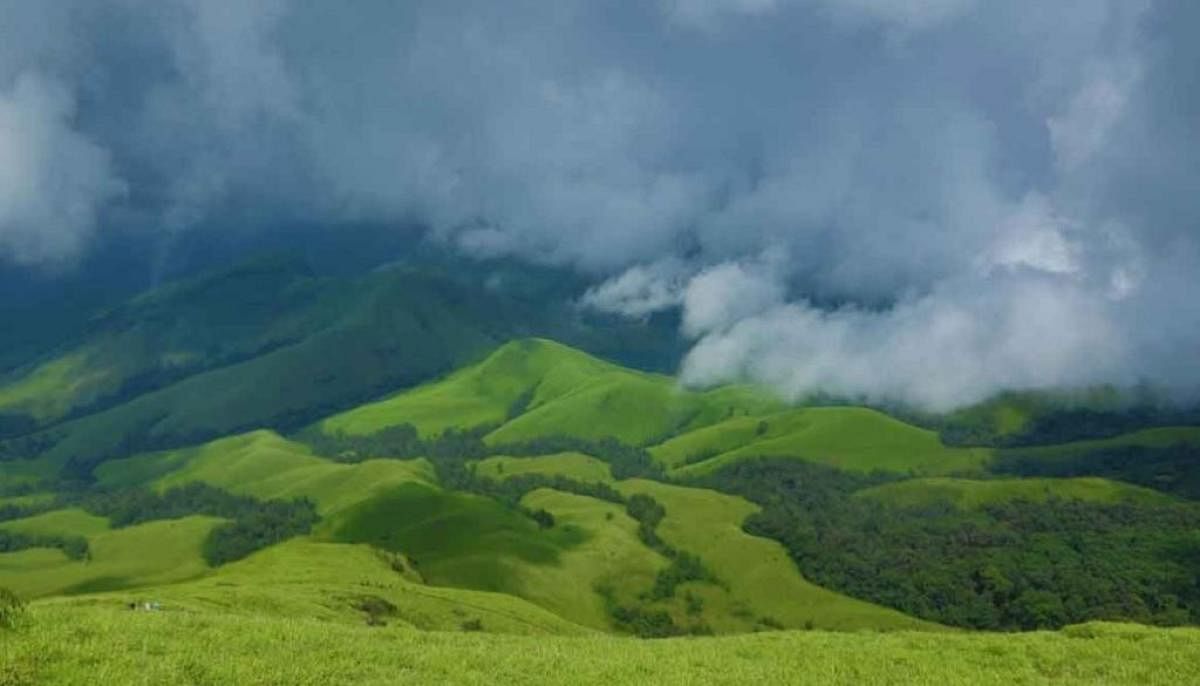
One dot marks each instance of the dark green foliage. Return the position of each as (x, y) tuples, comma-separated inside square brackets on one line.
[(472, 625), (519, 405), (1173, 469), (543, 518), (255, 524), (269, 523), (12, 608), (1016, 565), (74, 547), (638, 621), (684, 567), (1054, 422), (648, 513), (376, 609)]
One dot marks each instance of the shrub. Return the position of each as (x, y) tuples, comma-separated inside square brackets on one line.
[(12, 608)]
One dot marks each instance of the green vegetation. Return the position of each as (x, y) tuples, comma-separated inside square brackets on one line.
[(572, 465), (968, 493), (1147, 458), (542, 491), (853, 438), (1009, 565), (453, 539), (70, 642), (147, 554), (536, 388), (266, 466), (271, 344)]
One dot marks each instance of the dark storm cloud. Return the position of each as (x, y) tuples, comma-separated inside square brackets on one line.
[(997, 194)]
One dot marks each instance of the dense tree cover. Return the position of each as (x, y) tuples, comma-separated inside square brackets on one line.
[(645, 622), (255, 524), (74, 547), (1017, 565), (269, 523), (1049, 426), (455, 447), (1173, 469)]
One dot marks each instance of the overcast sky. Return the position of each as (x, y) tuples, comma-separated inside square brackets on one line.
[(922, 201)]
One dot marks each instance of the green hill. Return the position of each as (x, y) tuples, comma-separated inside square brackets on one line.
[(535, 388), (853, 438), (146, 554), (265, 465), (270, 344)]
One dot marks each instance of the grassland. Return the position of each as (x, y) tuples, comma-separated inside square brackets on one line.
[(762, 585), (153, 553), (267, 466), (852, 438), (87, 643), (968, 493)]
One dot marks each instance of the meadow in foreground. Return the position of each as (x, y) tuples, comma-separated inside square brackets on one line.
[(73, 643)]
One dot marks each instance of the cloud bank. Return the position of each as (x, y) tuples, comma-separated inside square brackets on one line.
[(920, 201)]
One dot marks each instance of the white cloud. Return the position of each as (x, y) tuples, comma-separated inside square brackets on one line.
[(640, 290), (53, 180)]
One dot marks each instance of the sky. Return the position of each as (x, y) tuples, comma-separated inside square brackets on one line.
[(912, 201)]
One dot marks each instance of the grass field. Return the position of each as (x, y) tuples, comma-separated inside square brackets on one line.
[(968, 493), (303, 578), (156, 552), (611, 555), (267, 466), (852, 438), (69, 522), (88, 643), (762, 581)]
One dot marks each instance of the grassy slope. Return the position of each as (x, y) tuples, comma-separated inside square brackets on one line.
[(763, 581), (265, 465), (967, 493), (612, 555), (307, 579), (852, 438), (68, 643), (70, 522), (152, 553), (568, 392), (576, 466), (457, 539), (454, 538)]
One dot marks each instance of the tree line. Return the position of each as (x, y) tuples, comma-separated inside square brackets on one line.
[(253, 524), (1007, 566)]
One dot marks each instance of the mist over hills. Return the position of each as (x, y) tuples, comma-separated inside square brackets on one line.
[(742, 341)]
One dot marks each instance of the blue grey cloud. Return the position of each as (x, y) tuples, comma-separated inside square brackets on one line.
[(921, 200)]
